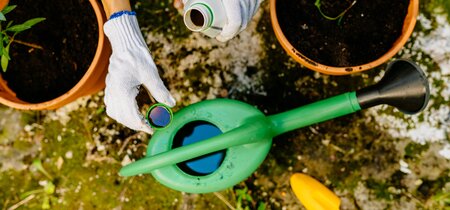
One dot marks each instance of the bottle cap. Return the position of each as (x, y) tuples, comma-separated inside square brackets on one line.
[(159, 116)]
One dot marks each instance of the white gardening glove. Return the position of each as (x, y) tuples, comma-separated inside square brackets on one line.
[(239, 13), (130, 65)]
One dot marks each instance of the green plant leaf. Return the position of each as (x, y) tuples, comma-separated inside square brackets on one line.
[(9, 24), (49, 188), (262, 206), (318, 3), (46, 203), (18, 28), (1, 44), (2, 17), (5, 52), (248, 197), (4, 62), (38, 165), (33, 21), (6, 39), (8, 9), (31, 192), (24, 26), (100, 110)]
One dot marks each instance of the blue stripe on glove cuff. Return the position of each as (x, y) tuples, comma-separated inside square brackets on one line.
[(120, 13)]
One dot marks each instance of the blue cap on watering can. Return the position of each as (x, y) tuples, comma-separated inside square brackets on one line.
[(159, 116)]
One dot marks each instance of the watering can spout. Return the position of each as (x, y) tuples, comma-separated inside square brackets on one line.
[(404, 86)]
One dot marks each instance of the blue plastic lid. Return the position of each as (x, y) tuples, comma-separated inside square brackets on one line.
[(159, 116)]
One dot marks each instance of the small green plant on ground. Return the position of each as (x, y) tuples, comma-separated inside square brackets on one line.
[(438, 200), (8, 33), (46, 193), (243, 196), (318, 4)]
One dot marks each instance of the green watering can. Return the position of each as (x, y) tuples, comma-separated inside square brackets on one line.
[(212, 145)]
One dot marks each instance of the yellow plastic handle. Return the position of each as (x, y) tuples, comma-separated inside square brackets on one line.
[(313, 194)]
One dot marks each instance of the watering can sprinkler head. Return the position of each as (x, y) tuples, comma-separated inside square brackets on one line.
[(245, 134), (404, 86)]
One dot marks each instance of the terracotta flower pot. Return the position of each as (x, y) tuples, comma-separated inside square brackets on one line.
[(92, 81), (408, 27)]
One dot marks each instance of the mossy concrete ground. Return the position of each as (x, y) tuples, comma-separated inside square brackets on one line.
[(374, 159)]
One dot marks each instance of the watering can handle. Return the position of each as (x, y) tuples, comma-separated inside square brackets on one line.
[(250, 133), (245, 134), (316, 112)]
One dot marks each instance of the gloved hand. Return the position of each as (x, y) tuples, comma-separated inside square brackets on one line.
[(239, 13), (130, 66)]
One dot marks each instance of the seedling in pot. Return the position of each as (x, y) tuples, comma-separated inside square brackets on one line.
[(318, 4), (8, 34)]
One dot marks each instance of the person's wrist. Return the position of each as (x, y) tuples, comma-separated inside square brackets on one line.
[(120, 13), (113, 6), (123, 32)]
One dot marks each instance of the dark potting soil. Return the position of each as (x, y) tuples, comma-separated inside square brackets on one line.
[(68, 37), (366, 32)]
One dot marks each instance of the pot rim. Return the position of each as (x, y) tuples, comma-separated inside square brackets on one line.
[(408, 28), (103, 48), (3, 4)]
